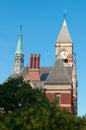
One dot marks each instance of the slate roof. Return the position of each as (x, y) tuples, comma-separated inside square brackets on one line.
[(58, 74), (64, 35), (44, 72)]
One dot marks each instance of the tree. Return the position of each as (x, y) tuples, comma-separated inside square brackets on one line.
[(17, 93), (24, 108)]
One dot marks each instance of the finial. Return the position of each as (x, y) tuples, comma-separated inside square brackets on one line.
[(65, 14), (21, 29), (64, 23)]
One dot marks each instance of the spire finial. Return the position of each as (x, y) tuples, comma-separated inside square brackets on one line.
[(64, 23), (21, 29), (65, 14)]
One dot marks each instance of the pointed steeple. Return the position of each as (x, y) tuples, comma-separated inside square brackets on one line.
[(64, 35), (19, 49), (19, 56)]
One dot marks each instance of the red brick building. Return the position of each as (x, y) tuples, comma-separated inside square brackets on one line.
[(60, 80)]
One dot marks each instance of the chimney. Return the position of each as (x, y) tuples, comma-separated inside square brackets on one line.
[(34, 69), (38, 61), (34, 61), (31, 60)]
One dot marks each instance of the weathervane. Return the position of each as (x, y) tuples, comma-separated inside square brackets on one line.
[(21, 29), (65, 14)]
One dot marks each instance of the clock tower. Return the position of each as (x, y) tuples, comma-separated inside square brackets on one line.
[(64, 45), (64, 52)]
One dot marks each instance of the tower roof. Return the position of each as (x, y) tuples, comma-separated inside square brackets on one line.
[(64, 35), (58, 74), (19, 49)]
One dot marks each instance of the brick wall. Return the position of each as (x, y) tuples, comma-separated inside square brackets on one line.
[(51, 96), (65, 98)]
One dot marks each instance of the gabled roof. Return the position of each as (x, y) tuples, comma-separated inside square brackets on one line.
[(58, 74), (64, 35)]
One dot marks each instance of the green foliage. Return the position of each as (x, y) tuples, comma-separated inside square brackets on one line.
[(24, 108), (17, 93)]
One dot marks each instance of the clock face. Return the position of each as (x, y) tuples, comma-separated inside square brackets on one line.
[(63, 54)]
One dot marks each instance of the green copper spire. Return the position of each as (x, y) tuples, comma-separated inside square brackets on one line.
[(19, 49)]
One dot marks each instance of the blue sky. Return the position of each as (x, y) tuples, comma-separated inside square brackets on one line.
[(42, 21)]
